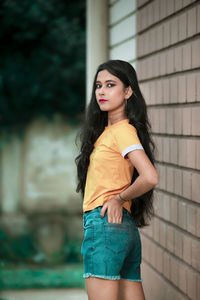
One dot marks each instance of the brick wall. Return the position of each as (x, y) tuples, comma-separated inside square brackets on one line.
[(168, 67)]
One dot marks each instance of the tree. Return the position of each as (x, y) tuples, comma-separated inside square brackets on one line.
[(42, 60)]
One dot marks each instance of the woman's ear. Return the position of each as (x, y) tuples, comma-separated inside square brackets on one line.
[(128, 92)]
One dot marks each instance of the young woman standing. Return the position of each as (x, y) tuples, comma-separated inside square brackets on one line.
[(116, 176)]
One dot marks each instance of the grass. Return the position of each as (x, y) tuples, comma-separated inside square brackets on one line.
[(69, 276)]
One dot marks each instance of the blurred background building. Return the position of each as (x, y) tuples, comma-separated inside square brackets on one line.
[(161, 40)]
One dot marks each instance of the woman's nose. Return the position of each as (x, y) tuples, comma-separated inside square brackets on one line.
[(101, 91)]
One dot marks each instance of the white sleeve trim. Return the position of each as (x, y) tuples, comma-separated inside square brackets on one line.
[(131, 148)]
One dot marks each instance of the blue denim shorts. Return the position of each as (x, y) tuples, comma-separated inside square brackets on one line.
[(111, 250)]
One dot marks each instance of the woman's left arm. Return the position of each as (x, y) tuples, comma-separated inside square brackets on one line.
[(147, 179)]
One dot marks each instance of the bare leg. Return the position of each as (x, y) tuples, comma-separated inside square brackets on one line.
[(130, 290), (102, 289)]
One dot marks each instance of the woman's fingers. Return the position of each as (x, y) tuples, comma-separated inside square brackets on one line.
[(103, 210), (114, 211)]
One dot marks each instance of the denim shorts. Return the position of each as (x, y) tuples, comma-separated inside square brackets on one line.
[(111, 250)]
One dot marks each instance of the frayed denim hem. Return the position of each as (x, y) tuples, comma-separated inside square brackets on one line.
[(139, 280), (101, 276)]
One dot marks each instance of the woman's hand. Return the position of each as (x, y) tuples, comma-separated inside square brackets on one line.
[(114, 210)]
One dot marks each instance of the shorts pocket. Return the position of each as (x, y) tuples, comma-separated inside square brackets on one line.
[(116, 237)]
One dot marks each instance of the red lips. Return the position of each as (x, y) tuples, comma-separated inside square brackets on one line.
[(102, 100)]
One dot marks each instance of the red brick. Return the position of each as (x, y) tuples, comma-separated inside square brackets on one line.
[(174, 210), (142, 18), (152, 92), (170, 7), (166, 90), (166, 265), (170, 61), (178, 243), (170, 239), (155, 65), (152, 40), (187, 184), (182, 88), (162, 181), (198, 287), (174, 268), (182, 150), (170, 179), (162, 120), (159, 259), (166, 149), (187, 56), (162, 234), (149, 8), (166, 207), (182, 283), (191, 219), (182, 26), (174, 30), (195, 120), (178, 5), (191, 88), (191, 284), (198, 18), (156, 5), (187, 249), (178, 120), (198, 154), (159, 37), (195, 54), (178, 181), (159, 147), (186, 2), (178, 59), (166, 34), (156, 229), (159, 92), (162, 63), (198, 87), (191, 158), (182, 218), (196, 187), (174, 89), (170, 120), (173, 150), (198, 222), (152, 260), (187, 120), (192, 22), (195, 254)]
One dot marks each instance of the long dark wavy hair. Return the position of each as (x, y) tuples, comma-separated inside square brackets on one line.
[(95, 122)]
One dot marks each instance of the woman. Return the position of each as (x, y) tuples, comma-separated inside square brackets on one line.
[(116, 176)]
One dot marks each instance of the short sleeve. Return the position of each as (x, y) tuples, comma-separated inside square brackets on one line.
[(126, 139)]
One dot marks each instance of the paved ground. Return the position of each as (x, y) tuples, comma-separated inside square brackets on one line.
[(49, 294)]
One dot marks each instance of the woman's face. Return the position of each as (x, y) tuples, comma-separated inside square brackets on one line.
[(110, 92)]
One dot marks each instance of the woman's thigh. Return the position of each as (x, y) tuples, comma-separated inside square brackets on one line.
[(102, 289), (130, 290)]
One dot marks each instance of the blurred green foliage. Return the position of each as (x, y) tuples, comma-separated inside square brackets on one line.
[(42, 61), (23, 249)]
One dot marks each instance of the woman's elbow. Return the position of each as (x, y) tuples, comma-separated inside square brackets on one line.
[(153, 179)]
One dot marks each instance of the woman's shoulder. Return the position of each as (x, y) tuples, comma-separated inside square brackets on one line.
[(124, 127)]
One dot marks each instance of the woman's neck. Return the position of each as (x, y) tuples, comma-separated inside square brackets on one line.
[(114, 118)]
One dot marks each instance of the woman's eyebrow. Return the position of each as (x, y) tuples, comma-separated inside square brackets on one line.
[(109, 80)]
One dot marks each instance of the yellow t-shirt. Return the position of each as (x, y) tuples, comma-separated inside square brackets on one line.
[(109, 173)]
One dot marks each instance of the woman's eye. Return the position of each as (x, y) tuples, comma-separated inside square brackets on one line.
[(110, 84)]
